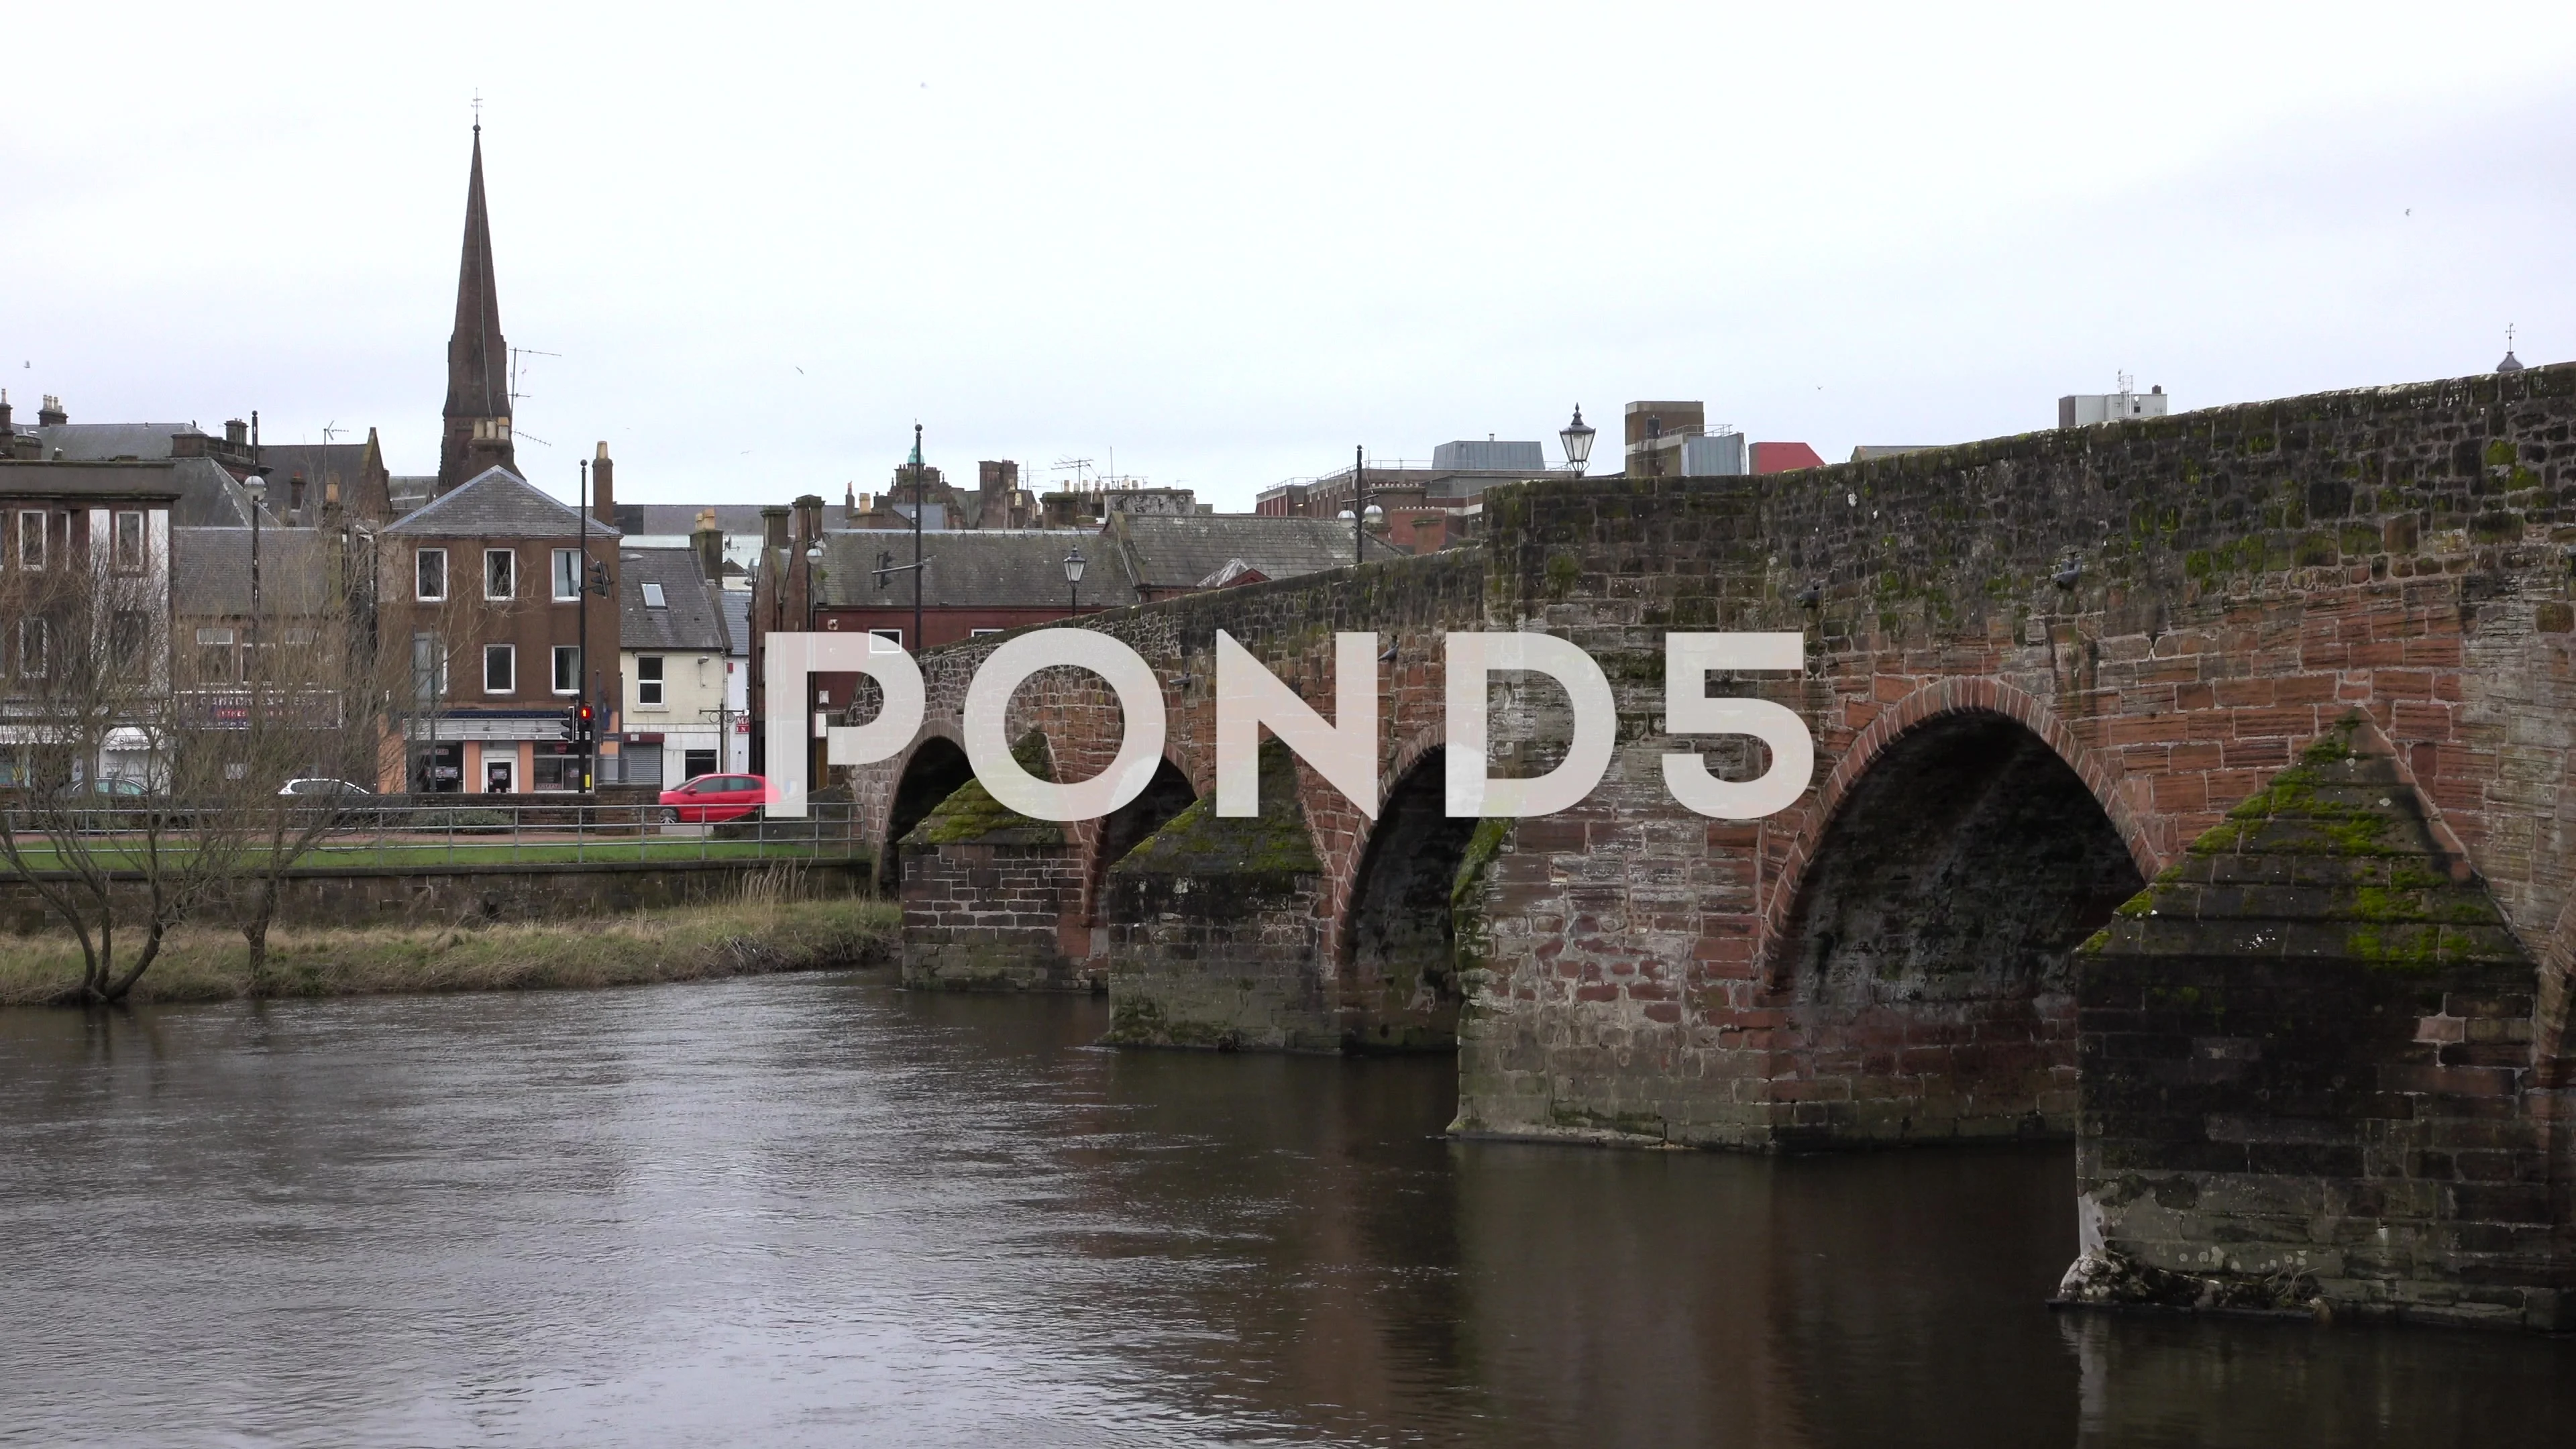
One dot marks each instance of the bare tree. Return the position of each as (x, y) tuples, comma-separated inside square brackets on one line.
[(304, 705), (99, 784)]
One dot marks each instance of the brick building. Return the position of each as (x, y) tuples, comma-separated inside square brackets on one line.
[(483, 585)]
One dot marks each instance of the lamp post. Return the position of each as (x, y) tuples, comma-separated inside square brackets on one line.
[(1359, 503), (257, 487), (1073, 565), (813, 581), (1577, 438), (917, 510)]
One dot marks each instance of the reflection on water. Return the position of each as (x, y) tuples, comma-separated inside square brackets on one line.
[(816, 1211)]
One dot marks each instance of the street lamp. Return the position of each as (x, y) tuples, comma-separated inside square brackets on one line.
[(813, 581), (1577, 438), (1073, 564)]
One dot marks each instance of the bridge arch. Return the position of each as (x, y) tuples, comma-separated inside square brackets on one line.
[(1927, 940), (1395, 954), (1123, 829), (934, 769), (1972, 695)]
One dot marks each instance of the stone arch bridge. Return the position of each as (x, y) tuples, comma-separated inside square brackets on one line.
[(2197, 786)]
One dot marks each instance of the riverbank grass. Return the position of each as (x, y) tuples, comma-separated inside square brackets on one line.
[(747, 937)]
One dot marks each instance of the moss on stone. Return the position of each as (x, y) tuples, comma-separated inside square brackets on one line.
[(2342, 846), (971, 813), (1198, 841)]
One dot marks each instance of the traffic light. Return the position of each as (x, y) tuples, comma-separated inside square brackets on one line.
[(585, 723), (570, 728)]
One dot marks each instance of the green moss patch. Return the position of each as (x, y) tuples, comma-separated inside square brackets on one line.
[(1198, 841), (972, 814)]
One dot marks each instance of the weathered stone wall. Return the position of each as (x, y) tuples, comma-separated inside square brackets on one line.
[(985, 915), (986, 892), (2306, 1061), (1214, 934), (348, 896)]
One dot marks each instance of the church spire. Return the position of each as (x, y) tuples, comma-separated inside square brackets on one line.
[(477, 432)]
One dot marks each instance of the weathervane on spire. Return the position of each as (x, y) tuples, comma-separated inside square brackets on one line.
[(478, 110), (2511, 363)]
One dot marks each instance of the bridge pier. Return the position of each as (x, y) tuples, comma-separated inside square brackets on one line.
[(2307, 1075)]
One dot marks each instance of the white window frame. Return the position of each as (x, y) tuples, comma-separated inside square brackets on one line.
[(141, 558), (891, 636), (560, 687), (654, 597), (512, 589), (651, 691), (444, 582), (567, 580), (35, 562), (508, 654), (980, 633), (34, 644)]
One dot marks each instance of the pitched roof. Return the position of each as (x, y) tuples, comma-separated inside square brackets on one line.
[(317, 462), (211, 497), (688, 618), (1182, 552), (736, 604), (496, 503), (681, 519), (101, 442), (971, 568), (210, 571)]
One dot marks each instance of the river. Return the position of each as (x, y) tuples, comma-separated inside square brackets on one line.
[(816, 1210)]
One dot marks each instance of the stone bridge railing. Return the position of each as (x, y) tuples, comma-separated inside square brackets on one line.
[(2041, 673)]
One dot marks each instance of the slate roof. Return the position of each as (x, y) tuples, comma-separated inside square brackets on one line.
[(210, 571), (975, 568), (736, 604), (211, 497), (688, 619), (496, 503), (317, 462), (681, 519), (99, 442), (1181, 552)]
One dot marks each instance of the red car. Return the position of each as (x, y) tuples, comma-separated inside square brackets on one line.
[(713, 799)]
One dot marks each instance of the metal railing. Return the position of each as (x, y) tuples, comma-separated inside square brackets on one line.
[(428, 832)]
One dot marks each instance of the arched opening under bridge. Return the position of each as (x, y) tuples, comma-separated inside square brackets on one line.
[(1400, 971), (1126, 827), (935, 771), (1930, 943)]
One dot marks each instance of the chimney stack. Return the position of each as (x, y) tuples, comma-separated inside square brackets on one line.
[(603, 487), (295, 498), (708, 540), (6, 427), (331, 502), (773, 527), (188, 443), (50, 414), (236, 436)]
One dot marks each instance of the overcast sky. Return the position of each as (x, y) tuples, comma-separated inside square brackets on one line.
[(1231, 242)]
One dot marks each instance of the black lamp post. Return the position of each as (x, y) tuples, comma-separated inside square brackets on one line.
[(1073, 565), (1577, 438), (1359, 503)]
